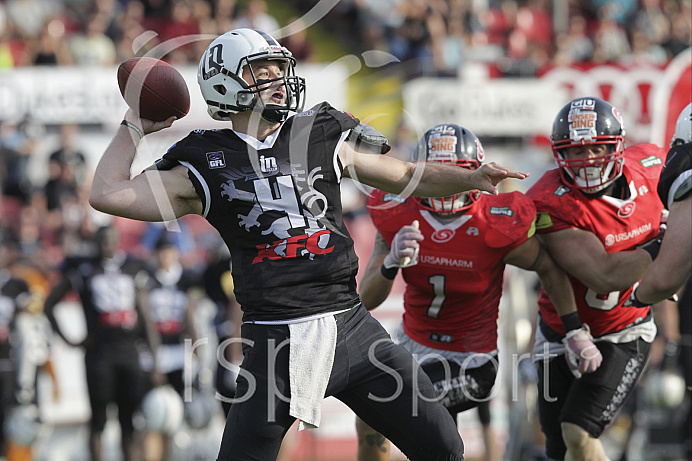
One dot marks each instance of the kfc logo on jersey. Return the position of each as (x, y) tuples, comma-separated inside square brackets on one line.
[(307, 245), (216, 160)]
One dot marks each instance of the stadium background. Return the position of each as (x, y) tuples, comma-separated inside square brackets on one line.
[(499, 68)]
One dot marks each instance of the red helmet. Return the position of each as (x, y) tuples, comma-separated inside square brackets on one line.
[(587, 121), (449, 143)]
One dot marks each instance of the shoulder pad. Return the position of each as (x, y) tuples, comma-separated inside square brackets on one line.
[(373, 139), (511, 217)]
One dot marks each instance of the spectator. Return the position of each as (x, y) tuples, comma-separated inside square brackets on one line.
[(29, 16), (66, 168), (50, 48), (180, 24), (255, 16), (297, 41), (575, 45), (610, 41), (93, 47)]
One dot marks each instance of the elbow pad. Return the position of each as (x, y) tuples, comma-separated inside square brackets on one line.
[(372, 139)]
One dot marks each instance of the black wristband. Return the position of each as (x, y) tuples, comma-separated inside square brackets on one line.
[(389, 274), (634, 301), (571, 322)]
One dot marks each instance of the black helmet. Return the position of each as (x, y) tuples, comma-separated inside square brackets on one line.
[(586, 121)]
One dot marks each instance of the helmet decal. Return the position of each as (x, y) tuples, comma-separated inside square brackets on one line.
[(453, 144), (227, 91)]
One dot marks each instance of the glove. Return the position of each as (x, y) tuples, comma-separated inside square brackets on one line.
[(633, 301), (581, 353), (654, 245), (404, 249)]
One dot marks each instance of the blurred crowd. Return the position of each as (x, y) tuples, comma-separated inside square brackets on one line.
[(105, 32), (516, 37)]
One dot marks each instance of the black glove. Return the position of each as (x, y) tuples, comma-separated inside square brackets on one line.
[(654, 245), (632, 301)]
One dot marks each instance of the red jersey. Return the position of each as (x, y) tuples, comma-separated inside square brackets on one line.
[(619, 224), (452, 295)]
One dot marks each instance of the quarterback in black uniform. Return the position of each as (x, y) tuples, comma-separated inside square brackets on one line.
[(671, 271), (110, 287), (270, 186)]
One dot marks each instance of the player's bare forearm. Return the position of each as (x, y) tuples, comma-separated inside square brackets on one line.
[(582, 255), (374, 287), (424, 179), (532, 255), (673, 266), (151, 196)]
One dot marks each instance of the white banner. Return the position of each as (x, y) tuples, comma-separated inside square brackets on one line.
[(648, 97), (55, 95), (488, 108)]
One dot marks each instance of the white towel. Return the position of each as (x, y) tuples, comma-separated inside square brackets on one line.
[(311, 357)]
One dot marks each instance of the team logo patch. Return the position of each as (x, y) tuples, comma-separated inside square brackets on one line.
[(443, 235), (650, 161), (393, 198), (268, 164), (561, 190), (307, 113), (472, 231), (216, 160), (504, 210), (626, 210), (441, 338)]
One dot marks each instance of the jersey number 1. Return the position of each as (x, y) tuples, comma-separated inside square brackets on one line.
[(438, 284)]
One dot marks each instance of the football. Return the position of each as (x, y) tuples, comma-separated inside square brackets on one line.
[(154, 89)]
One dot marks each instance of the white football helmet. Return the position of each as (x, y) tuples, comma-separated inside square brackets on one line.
[(683, 127), (220, 75), (200, 410), (665, 388), (162, 408)]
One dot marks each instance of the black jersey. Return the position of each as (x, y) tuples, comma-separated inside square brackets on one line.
[(676, 178), (168, 295), (277, 205), (107, 289), (14, 295)]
